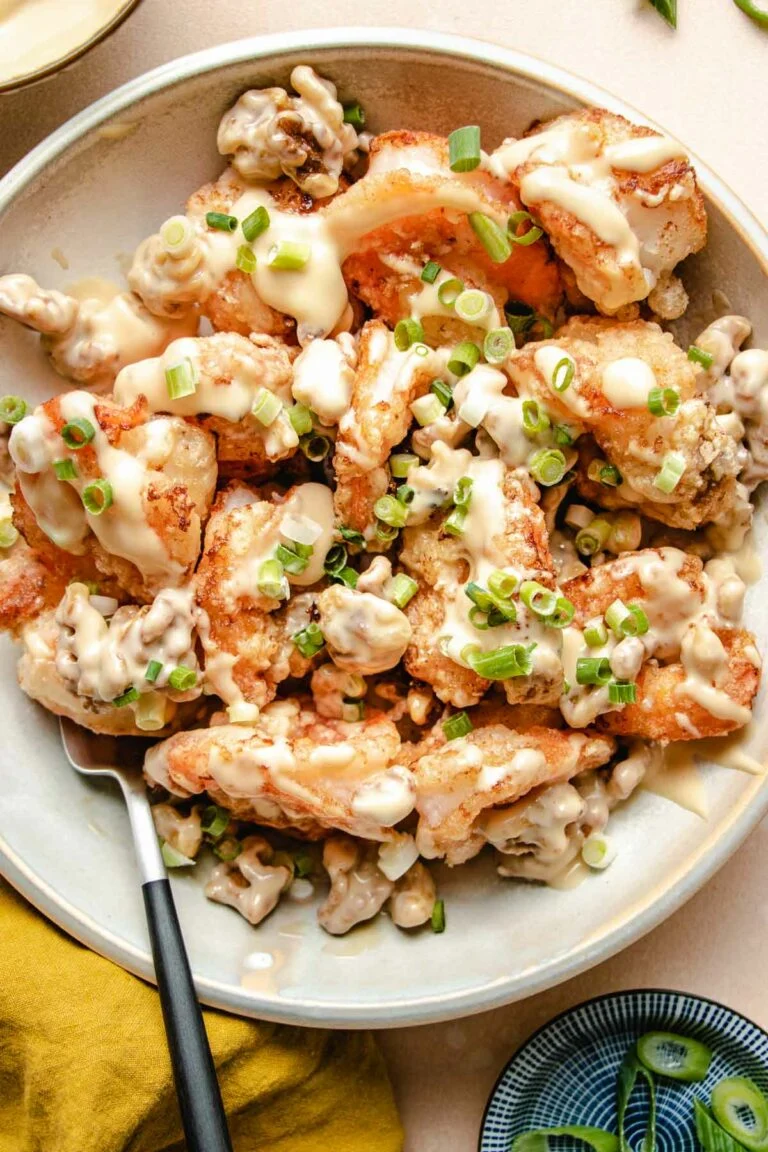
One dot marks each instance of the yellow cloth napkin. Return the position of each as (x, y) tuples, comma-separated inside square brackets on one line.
[(84, 1065)]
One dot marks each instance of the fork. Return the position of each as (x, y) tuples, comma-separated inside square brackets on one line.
[(194, 1073)]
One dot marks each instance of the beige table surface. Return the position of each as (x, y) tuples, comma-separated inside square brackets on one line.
[(708, 84)]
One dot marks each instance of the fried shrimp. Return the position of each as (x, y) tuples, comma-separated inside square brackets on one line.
[(295, 770), (619, 203), (614, 368)]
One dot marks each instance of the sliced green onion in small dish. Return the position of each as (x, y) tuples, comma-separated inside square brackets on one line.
[(678, 1057), (741, 1109)]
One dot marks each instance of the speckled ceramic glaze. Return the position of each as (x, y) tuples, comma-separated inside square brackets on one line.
[(566, 1073), (90, 196)]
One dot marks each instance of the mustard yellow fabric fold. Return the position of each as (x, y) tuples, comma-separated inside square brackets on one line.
[(84, 1065)]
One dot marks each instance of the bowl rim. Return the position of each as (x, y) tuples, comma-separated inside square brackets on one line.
[(708, 858), (621, 995), (16, 83)]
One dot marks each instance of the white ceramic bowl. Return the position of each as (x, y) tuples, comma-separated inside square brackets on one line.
[(92, 195)]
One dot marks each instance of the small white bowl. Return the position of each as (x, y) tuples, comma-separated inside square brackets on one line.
[(85, 197)]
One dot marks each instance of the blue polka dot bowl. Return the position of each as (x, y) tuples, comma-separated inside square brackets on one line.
[(566, 1072)]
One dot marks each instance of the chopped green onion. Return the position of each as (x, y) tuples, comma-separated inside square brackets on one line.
[(227, 849), (255, 224), (443, 391), (289, 255), (462, 492), (221, 221), (77, 433), (637, 624), (473, 306), (315, 448), (401, 463), (454, 524), (663, 401), (430, 272), (172, 858), (271, 580), (354, 114), (520, 317), (290, 559), (593, 538), (8, 534), (408, 332), (351, 535), (533, 234), (97, 497), (563, 374), (12, 409), (742, 1110), (538, 1139), (759, 15), (402, 590), (181, 379), (678, 1057), (539, 600), (65, 469), (498, 344), (502, 584), (593, 670), (150, 712), (348, 577), (564, 435), (437, 919), (427, 409), (492, 237), (671, 471), (301, 418), (391, 511), (604, 473), (176, 234), (405, 494), (479, 619), (622, 692), (595, 633), (564, 612), (630, 1069), (449, 291), (548, 466), (245, 259), (128, 697), (626, 532), (214, 821), (309, 640), (464, 149), (181, 678), (463, 358), (266, 407), (598, 851), (626, 620), (154, 668), (386, 532), (456, 726), (479, 597), (711, 1135), (535, 419), (335, 559), (699, 356), (501, 663)]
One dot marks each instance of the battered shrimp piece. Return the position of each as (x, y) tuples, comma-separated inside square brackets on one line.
[(230, 372), (615, 366), (386, 383), (269, 134), (148, 482), (708, 693), (385, 267), (248, 642), (89, 340), (504, 529), (295, 770), (619, 203), (488, 768)]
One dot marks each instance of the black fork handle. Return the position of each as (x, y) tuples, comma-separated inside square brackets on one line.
[(202, 1112)]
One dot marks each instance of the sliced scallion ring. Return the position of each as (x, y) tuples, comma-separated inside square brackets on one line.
[(530, 236), (539, 600), (172, 858), (408, 332), (742, 1110), (181, 678), (701, 357), (181, 379), (405, 494), (176, 235), (354, 114), (427, 409), (535, 419), (351, 535), (593, 670), (221, 221), (289, 255), (595, 633), (598, 851), (77, 433), (443, 391), (593, 538), (456, 726), (492, 237), (255, 224), (678, 1057), (663, 401), (97, 497), (315, 447), (390, 510), (622, 692), (547, 466), (564, 435), (266, 407), (301, 419), (563, 374), (464, 148), (271, 580), (291, 559), (348, 577), (214, 821), (473, 306), (430, 272), (335, 560), (502, 663), (245, 259), (604, 473), (537, 1140), (227, 849), (65, 469), (386, 532), (130, 696), (463, 358), (449, 291), (12, 409), (309, 640), (520, 317), (503, 584), (154, 668), (671, 472), (498, 344), (564, 612), (437, 919), (462, 492), (401, 463), (454, 524), (402, 590), (711, 1136)]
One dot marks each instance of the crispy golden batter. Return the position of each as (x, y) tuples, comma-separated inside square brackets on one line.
[(293, 770), (490, 767), (632, 439)]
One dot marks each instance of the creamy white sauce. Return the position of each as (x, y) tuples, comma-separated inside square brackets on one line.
[(644, 154), (627, 382), (323, 376)]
